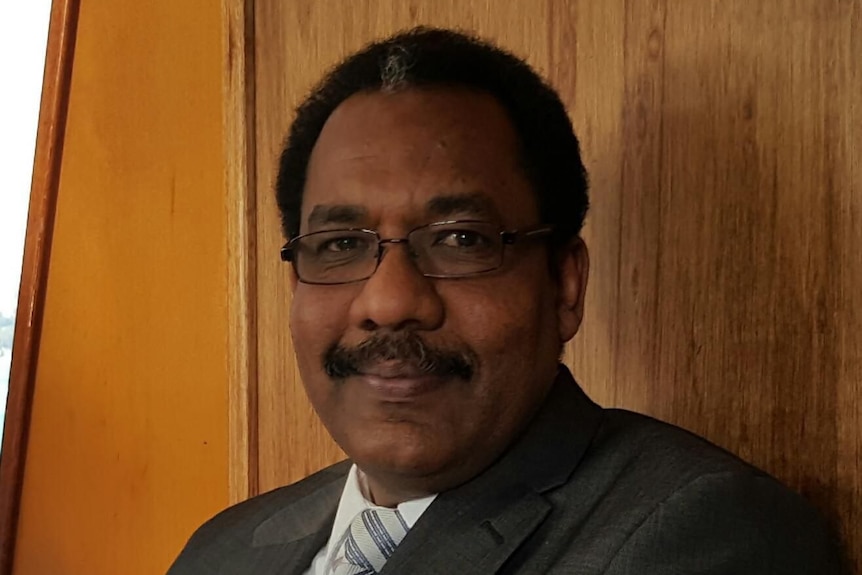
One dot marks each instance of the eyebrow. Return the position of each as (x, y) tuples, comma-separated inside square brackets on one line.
[(323, 214), (474, 204)]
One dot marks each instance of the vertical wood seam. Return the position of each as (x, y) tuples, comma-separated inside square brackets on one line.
[(239, 153), (662, 191)]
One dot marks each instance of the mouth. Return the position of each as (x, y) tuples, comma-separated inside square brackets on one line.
[(398, 382)]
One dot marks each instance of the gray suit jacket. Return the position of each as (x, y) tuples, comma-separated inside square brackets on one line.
[(582, 491)]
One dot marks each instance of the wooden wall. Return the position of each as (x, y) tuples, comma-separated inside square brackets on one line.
[(128, 449), (723, 141)]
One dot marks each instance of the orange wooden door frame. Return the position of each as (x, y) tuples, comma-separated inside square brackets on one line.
[(37, 254)]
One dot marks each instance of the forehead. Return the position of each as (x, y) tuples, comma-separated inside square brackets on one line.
[(417, 154)]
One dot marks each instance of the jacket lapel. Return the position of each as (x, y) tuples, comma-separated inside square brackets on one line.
[(478, 526), (287, 541)]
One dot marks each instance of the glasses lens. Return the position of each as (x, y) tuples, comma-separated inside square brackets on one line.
[(337, 256), (457, 249)]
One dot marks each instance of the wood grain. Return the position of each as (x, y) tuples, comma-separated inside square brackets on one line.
[(723, 143), (37, 254), (238, 38), (128, 437)]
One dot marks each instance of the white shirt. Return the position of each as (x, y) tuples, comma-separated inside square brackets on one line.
[(354, 500)]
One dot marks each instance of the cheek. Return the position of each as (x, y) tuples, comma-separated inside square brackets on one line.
[(513, 333), (316, 307), (502, 325), (317, 320)]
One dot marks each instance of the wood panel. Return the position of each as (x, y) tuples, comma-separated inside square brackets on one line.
[(128, 441), (723, 143)]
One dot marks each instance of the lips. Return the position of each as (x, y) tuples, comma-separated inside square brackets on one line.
[(393, 381), (394, 370)]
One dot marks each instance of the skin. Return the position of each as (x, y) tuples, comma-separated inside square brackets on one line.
[(384, 161)]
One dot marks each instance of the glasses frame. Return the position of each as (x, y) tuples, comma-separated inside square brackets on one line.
[(507, 238)]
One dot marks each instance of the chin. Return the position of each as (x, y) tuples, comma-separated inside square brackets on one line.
[(400, 455)]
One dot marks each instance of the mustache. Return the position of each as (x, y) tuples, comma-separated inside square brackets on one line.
[(341, 362)]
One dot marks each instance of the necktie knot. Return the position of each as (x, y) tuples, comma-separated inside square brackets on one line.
[(370, 541)]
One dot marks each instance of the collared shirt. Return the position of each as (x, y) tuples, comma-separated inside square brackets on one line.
[(354, 500)]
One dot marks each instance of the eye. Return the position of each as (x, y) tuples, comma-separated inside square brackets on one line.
[(338, 245), (343, 244), (461, 239)]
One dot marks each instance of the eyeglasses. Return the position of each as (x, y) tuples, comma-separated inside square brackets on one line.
[(453, 249)]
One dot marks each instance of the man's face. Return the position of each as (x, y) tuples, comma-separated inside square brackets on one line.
[(392, 162)]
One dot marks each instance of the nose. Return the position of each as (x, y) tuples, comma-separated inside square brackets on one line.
[(397, 296)]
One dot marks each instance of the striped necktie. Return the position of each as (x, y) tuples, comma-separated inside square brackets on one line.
[(372, 538)]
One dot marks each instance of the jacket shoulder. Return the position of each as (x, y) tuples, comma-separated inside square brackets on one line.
[(657, 495), (266, 519)]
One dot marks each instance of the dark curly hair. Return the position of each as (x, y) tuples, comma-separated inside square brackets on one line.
[(434, 57)]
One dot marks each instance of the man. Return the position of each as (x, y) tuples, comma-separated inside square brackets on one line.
[(432, 193)]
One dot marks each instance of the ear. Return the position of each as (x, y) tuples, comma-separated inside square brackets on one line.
[(573, 268)]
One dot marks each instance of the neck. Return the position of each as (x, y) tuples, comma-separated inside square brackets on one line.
[(386, 495)]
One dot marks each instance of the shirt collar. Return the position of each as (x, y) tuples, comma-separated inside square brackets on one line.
[(354, 500)]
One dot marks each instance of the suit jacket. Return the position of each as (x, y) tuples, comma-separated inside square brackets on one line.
[(583, 491)]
